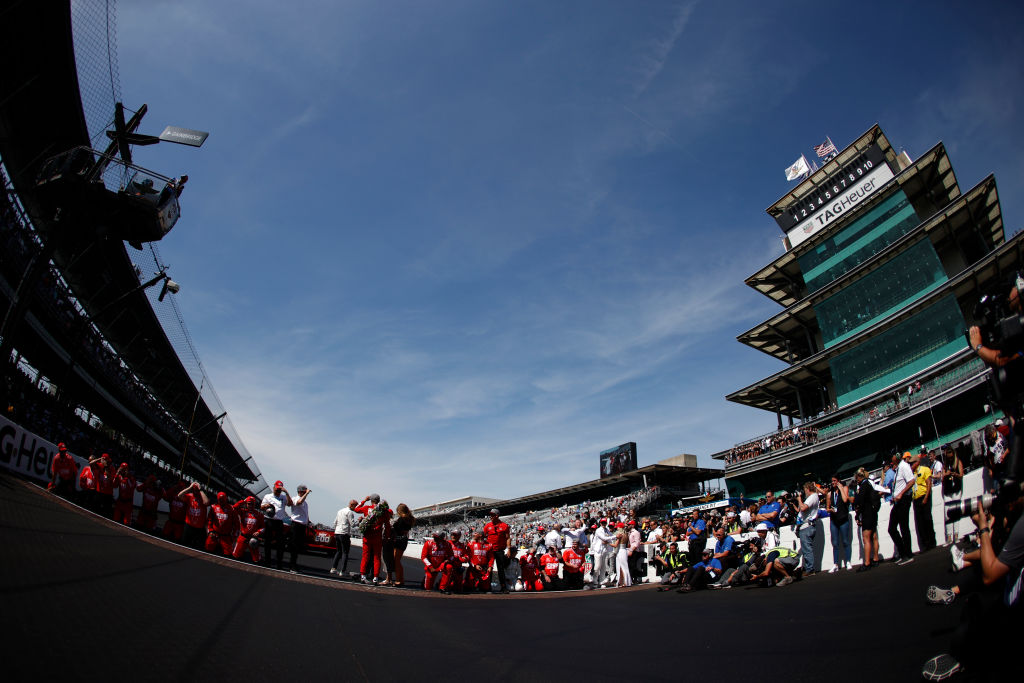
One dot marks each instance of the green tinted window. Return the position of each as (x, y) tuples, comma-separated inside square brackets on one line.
[(880, 293), (857, 242), (901, 351)]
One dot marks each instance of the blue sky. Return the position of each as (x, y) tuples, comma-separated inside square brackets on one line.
[(434, 249)]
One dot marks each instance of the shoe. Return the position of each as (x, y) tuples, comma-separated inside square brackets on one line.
[(785, 581), (333, 570), (940, 668), (504, 591), (684, 589), (834, 569), (940, 596), (904, 562), (958, 557), (292, 571), (810, 573), (363, 579), (864, 568), (376, 581)]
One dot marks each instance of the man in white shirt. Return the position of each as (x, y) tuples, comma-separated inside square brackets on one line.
[(273, 507), (899, 518), (553, 538), (344, 523), (600, 546), (300, 522), (809, 525)]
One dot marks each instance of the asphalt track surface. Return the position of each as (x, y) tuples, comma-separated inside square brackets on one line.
[(86, 599)]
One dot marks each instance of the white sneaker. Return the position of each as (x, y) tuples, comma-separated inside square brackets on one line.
[(333, 570), (834, 569), (958, 557)]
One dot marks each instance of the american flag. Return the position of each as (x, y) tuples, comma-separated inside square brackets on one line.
[(825, 149)]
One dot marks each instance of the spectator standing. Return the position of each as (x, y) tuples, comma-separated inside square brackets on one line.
[(300, 521), (696, 539), (572, 567), (151, 495), (222, 527), (601, 549), (621, 545), (769, 512), (899, 519), (553, 538), (635, 551), (344, 522), (404, 522), (922, 504), (838, 505), (274, 505), (808, 527), (104, 485)]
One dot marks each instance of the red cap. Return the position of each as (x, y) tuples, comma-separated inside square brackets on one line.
[(278, 484), (632, 522), (124, 464), (222, 497), (620, 525), (540, 528), (61, 446)]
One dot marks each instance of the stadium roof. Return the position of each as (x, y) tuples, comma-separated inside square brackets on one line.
[(615, 485)]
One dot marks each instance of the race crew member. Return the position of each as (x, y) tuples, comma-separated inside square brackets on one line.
[(104, 485), (478, 575), (221, 527), (125, 505), (174, 527), (62, 472), (460, 555), (196, 502), (437, 555), (151, 495), (375, 523), (572, 570), (274, 505), (499, 539), (549, 565), (250, 528), (87, 484), (530, 572)]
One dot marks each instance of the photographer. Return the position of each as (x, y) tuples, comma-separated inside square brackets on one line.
[(837, 502), (809, 525), (991, 621)]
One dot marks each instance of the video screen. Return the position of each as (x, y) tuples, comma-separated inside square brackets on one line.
[(618, 460)]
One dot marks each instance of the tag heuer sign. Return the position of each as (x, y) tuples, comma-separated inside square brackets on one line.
[(184, 136)]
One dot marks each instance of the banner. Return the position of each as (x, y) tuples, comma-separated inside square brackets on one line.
[(839, 205), (26, 454)]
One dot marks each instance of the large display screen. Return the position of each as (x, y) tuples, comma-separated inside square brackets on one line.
[(618, 460)]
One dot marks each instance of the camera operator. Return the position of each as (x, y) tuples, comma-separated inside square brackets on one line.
[(990, 625)]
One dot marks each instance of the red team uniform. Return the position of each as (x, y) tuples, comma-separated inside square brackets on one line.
[(250, 529), (125, 505), (478, 576), (460, 555), (437, 554), (573, 569), (549, 565), (373, 540), (496, 536), (221, 527), (104, 474), (530, 572), (63, 468), (175, 525), (151, 495)]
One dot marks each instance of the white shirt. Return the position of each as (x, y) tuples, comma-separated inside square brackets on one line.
[(300, 513), (552, 539), (811, 513), (279, 503), (904, 479), (602, 537), (344, 521)]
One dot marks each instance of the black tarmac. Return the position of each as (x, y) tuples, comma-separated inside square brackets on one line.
[(87, 599)]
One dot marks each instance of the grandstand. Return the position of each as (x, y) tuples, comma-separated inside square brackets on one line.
[(83, 336)]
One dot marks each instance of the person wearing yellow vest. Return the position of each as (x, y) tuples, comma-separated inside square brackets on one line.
[(923, 504)]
